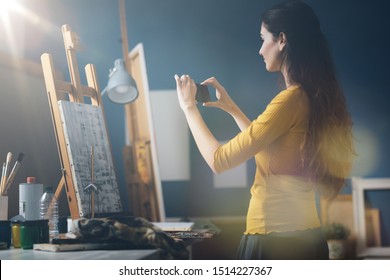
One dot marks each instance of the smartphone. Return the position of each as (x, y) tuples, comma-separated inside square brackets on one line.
[(202, 93)]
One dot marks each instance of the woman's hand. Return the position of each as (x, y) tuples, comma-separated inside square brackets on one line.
[(224, 101), (186, 90), (204, 139)]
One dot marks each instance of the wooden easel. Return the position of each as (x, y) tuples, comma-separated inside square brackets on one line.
[(144, 196), (143, 180), (73, 91)]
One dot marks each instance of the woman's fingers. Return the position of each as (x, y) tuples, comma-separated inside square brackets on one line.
[(186, 89), (213, 82), (177, 79), (211, 104), (183, 79)]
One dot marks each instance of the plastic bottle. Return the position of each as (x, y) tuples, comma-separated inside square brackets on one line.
[(29, 195), (49, 211)]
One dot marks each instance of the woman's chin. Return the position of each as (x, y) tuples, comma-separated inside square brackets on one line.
[(270, 69)]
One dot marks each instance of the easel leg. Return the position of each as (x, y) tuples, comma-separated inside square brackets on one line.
[(60, 186)]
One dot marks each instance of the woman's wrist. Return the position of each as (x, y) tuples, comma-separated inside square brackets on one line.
[(188, 107), (234, 110)]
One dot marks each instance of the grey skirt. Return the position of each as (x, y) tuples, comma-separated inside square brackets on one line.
[(296, 245)]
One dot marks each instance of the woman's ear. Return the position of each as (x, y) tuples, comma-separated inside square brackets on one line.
[(282, 41)]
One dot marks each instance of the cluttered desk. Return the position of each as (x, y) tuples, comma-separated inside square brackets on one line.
[(114, 238)]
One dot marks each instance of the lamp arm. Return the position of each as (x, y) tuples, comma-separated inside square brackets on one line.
[(104, 91)]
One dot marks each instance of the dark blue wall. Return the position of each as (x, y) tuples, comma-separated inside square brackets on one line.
[(221, 38)]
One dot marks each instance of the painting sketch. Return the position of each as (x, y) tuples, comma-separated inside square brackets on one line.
[(84, 127)]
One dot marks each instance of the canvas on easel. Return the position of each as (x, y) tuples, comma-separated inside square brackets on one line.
[(140, 153), (79, 129), (83, 125)]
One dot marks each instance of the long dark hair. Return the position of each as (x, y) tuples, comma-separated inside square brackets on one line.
[(328, 148)]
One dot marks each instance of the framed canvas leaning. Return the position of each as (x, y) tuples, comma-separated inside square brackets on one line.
[(360, 187)]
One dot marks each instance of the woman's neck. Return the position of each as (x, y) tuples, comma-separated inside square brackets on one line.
[(288, 82)]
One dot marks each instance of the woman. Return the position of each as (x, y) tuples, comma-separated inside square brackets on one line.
[(302, 142)]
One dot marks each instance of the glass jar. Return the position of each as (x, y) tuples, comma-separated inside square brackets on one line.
[(29, 233), (16, 234)]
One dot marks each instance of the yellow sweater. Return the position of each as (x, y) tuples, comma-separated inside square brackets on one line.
[(281, 198)]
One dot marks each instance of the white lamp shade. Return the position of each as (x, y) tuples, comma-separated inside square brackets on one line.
[(121, 87)]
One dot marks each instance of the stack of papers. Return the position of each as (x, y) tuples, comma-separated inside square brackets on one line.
[(174, 226)]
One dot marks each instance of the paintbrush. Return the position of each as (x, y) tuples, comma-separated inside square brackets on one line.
[(13, 173), (2, 179), (6, 170)]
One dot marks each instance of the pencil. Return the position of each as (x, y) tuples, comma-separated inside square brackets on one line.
[(13, 173)]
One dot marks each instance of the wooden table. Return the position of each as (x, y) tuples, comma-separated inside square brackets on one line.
[(21, 254)]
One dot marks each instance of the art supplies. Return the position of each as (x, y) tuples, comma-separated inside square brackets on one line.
[(7, 180), (29, 195), (15, 226), (2, 176), (174, 226), (6, 168)]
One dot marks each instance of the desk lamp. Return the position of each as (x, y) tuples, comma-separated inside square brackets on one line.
[(121, 87)]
